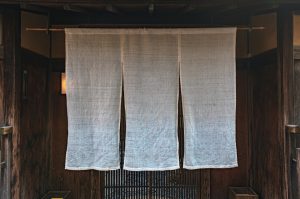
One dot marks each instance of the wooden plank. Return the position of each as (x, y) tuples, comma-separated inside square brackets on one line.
[(5, 161), (271, 110), (205, 184), (95, 185), (12, 90), (286, 79), (298, 173), (268, 141), (35, 139), (267, 149)]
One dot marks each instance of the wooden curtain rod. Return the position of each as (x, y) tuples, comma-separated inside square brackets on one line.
[(63, 29)]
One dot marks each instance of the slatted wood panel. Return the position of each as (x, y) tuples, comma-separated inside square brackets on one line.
[(177, 184)]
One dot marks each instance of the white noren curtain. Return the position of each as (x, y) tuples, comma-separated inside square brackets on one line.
[(151, 61), (94, 80), (151, 79), (208, 86)]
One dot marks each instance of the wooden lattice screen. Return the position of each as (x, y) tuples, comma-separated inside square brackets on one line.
[(177, 184)]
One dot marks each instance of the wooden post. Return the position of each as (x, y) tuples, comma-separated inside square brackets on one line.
[(11, 89), (285, 73), (298, 172), (5, 161)]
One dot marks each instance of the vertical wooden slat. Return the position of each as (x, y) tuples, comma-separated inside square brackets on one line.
[(5, 171), (298, 172), (286, 79), (205, 184), (97, 185), (11, 89)]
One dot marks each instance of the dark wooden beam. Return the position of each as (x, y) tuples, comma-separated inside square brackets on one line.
[(34, 8)]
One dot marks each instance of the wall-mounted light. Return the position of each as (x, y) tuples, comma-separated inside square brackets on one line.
[(63, 86), (25, 85)]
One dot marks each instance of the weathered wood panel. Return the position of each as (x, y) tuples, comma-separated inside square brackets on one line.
[(11, 89), (35, 139), (205, 184), (267, 148), (286, 80)]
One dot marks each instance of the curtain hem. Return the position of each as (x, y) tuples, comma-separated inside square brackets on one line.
[(92, 168), (151, 169), (211, 166)]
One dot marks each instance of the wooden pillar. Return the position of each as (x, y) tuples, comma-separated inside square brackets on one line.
[(286, 75), (11, 89), (298, 173)]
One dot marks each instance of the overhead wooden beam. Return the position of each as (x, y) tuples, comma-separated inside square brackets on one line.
[(34, 8)]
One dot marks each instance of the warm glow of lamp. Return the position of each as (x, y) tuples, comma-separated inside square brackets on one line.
[(63, 87)]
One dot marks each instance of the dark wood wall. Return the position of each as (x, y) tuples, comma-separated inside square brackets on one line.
[(35, 136), (267, 174), (10, 87)]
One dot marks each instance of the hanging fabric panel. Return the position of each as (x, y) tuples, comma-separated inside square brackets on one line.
[(151, 78), (94, 78), (208, 85)]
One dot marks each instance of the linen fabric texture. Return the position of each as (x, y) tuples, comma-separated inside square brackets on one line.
[(151, 80), (151, 61), (94, 86), (208, 86)]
